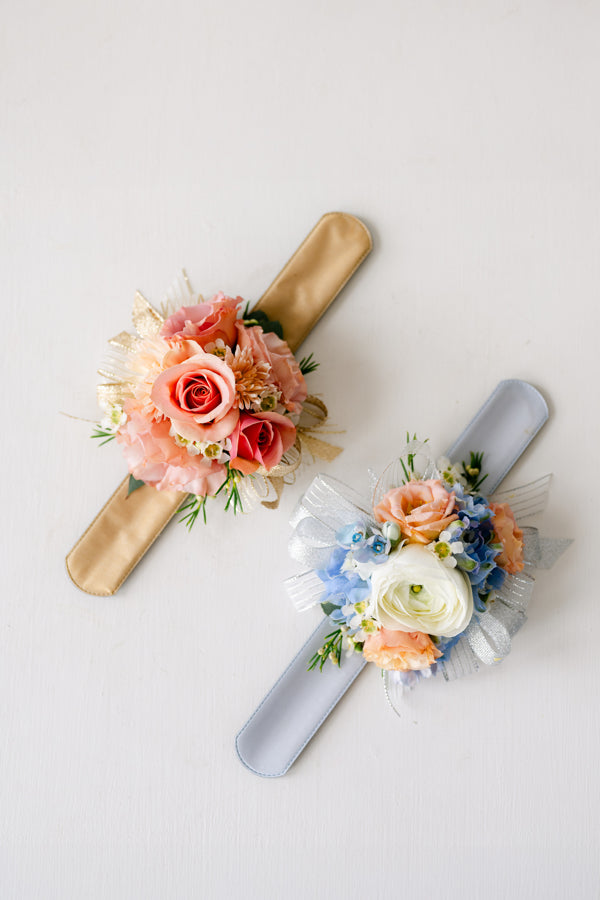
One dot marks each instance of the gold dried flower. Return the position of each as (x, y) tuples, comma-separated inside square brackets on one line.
[(252, 382)]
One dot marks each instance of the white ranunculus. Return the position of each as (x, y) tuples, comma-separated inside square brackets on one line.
[(415, 591)]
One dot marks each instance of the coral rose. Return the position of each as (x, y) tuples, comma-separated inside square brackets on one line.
[(205, 322), (260, 439), (422, 509), (285, 371), (510, 536), (400, 650), (196, 391), (153, 456)]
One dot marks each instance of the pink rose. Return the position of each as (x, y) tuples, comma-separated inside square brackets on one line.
[(205, 322), (285, 371), (153, 456), (400, 650), (196, 391), (260, 439), (422, 509), (510, 536)]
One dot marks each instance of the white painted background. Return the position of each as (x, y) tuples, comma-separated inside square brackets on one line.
[(141, 137)]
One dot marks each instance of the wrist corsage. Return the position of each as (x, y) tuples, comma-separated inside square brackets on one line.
[(207, 399), (432, 577)]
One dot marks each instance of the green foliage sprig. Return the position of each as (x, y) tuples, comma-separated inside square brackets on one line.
[(472, 472), (230, 486), (331, 649), (409, 467), (193, 506), (308, 364), (103, 435)]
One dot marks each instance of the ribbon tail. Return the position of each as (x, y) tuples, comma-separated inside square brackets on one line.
[(318, 448), (277, 484)]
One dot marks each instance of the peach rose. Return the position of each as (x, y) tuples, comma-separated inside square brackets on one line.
[(260, 439), (285, 371), (422, 509), (153, 456), (205, 322), (196, 391), (510, 536), (400, 650)]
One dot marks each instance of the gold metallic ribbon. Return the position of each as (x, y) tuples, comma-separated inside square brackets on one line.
[(266, 487), (126, 526)]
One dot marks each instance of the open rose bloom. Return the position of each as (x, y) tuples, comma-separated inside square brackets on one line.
[(431, 571), (201, 399)]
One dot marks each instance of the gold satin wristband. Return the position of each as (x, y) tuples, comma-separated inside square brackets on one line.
[(126, 526), (315, 275)]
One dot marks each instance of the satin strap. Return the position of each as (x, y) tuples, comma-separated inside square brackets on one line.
[(126, 526)]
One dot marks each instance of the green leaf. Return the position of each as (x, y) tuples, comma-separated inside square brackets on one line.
[(274, 326), (134, 484), (258, 317), (328, 607)]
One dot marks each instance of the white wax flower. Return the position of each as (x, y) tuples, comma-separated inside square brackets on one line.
[(449, 472), (414, 591)]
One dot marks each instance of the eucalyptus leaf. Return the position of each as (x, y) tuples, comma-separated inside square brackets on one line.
[(134, 484), (328, 607), (258, 317)]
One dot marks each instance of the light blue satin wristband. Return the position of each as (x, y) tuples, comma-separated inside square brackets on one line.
[(300, 701)]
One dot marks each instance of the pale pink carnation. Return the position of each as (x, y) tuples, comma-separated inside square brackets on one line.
[(153, 456)]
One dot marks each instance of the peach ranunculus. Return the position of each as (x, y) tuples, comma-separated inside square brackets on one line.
[(205, 322), (400, 650), (285, 371), (196, 391), (260, 439), (153, 456), (422, 509), (510, 536)]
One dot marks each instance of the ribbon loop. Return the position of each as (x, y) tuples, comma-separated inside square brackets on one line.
[(416, 460), (488, 638), (527, 499), (462, 661), (333, 503), (305, 591)]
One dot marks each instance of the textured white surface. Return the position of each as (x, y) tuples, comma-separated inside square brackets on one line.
[(139, 138)]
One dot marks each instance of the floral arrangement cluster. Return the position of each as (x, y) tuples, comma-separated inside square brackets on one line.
[(202, 398), (402, 586)]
